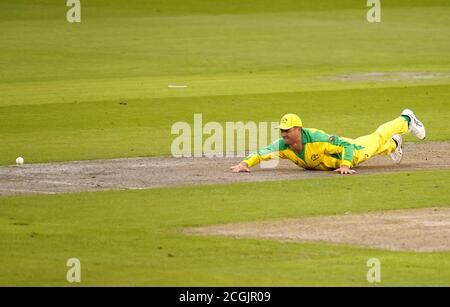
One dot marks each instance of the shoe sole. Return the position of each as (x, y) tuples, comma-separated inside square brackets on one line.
[(413, 117)]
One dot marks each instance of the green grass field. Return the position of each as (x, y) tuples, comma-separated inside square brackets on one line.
[(61, 89)]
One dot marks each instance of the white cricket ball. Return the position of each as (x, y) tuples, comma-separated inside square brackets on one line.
[(20, 161)]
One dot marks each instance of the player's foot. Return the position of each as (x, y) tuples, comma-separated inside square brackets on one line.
[(397, 155), (415, 125)]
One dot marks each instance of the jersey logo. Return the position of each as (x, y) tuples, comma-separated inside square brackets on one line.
[(314, 157)]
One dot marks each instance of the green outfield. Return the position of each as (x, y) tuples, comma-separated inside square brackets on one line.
[(101, 89), (133, 238)]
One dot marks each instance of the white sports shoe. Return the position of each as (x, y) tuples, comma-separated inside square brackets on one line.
[(416, 126), (397, 155)]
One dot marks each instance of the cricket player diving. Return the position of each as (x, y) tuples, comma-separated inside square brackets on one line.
[(314, 149)]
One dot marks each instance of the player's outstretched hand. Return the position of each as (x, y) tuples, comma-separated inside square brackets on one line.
[(240, 168), (345, 170)]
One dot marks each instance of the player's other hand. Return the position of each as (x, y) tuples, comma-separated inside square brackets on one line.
[(240, 168), (344, 170)]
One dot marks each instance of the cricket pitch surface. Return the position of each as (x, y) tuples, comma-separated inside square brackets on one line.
[(420, 230), (153, 172)]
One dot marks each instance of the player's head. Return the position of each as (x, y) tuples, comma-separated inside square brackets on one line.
[(290, 128)]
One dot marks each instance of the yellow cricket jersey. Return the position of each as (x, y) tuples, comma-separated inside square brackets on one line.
[(320, 151)]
